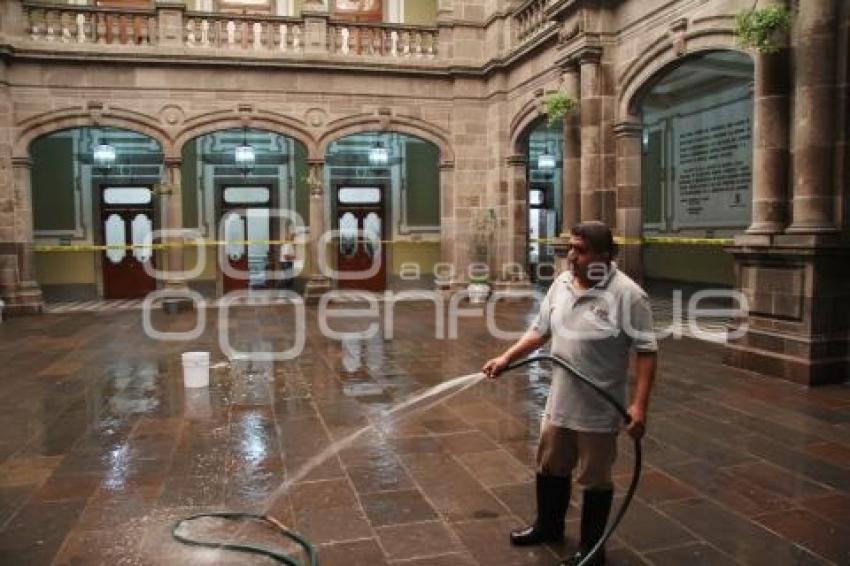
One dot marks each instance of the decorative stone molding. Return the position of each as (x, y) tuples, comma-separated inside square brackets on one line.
[(516, 160), (678, 37), (316, 117), (363, 123), (628, 129), (654, 60), (589, 54), (79, 117), (571, 28), (172, 115)]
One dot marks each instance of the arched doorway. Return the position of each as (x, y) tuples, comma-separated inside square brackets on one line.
[(246, 189), (384, 197), (94, 203), (696, 166), (545, 173)]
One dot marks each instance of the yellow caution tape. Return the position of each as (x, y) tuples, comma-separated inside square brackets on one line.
[(689, 241), (621, 240), (192, 243), (633, 241)]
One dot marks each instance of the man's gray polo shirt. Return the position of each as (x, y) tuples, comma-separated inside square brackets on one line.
[(594, 331)]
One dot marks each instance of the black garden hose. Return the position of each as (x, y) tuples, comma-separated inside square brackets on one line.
[(612, 526), (308, 549)]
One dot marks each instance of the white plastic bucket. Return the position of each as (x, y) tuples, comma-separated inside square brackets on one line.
[(196, 369)]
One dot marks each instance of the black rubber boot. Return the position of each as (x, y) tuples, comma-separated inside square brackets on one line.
[(594, 518), (553, 498)]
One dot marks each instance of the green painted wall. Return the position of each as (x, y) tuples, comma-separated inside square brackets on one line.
[(689, 263), (420, 12), (423, 184), (53, 183), (189, 184)]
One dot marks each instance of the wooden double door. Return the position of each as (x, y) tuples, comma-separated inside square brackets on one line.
[(247, 257), (361, 251), (127, 222)]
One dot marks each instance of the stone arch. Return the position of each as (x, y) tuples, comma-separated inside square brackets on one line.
[(215, 123), (46, 124), (525, 119), (666, 54), (401, 125)]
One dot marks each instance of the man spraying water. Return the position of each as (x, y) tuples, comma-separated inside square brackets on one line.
[(595, 315)]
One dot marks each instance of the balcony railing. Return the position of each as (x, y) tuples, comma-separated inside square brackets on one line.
[(84, 25), (223, 31), (167, 26), (530, 20), (386, 40), (74, 24)]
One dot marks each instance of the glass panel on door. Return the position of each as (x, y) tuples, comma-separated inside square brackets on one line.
[(115, 234), (234, 236), (259, 232), (142, 230)]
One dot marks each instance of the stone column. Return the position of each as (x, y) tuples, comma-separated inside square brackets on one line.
[(797, 323), (629, 220), (513, 272), (814, 202), (171, 214), (591, 116), (448, 227), (571, 201), (319, 283), (17, 271), (770, 142)]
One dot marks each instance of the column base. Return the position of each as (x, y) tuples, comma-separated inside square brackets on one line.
[(177, 305), (798, 319), (790, 357), (24, 299), (811, 228), (765, 228), (315, 288), (180, 303)]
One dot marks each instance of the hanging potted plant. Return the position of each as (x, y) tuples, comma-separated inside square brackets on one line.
[(483, 229), (557, 105), (763, 29)]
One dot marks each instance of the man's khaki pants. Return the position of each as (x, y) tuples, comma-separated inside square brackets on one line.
[(561, 450)]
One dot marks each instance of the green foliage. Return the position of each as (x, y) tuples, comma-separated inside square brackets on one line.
[(556, 106), (759, 28)]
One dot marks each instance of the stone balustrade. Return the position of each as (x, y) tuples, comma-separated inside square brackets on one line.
[(385, 40), (80, 25), (86, 25), (530, 20), (222, 31)]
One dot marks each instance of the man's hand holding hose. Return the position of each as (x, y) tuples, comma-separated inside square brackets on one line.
[(530, 342)]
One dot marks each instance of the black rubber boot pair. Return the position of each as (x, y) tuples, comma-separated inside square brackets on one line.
[(553, 498), (594, 518)]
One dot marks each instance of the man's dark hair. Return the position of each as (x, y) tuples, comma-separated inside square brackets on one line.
[(598, 236)]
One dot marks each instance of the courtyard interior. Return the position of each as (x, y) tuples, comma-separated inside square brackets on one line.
[(102, 449)]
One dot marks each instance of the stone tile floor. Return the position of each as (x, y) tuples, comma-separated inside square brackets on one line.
[(102, 449)]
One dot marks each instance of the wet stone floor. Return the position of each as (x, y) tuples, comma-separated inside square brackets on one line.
[(102, 449)]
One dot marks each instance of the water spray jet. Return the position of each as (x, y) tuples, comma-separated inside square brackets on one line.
[(443, 392)]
